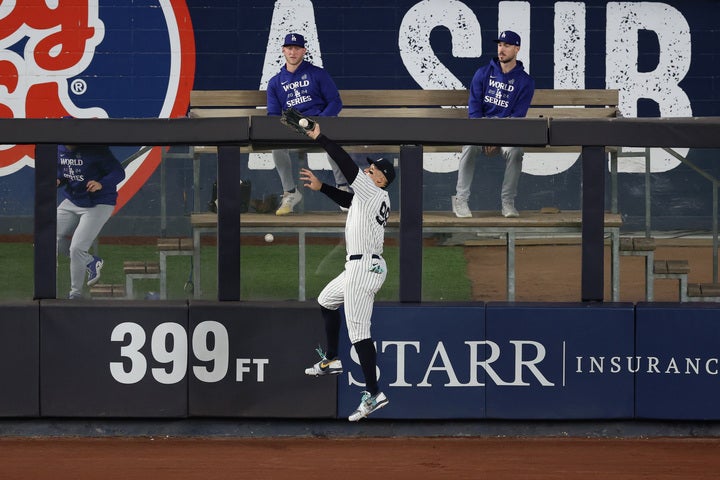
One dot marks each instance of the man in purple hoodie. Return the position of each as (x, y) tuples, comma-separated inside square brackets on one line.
[(87, 177), (499, 89), (311, 91)]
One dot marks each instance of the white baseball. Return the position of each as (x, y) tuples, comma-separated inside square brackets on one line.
[(303, 122), (269, 237)]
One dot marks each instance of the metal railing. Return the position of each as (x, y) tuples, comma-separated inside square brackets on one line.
[(412, 134)]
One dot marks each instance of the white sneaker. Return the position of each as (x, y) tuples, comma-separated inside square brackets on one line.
[(344, 188), (325, 367), (460, 207), (368, 404), (288, 202), (509, 211)]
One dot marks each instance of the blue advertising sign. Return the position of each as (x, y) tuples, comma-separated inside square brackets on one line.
[(427, 363), (676, 363), (552, 361)]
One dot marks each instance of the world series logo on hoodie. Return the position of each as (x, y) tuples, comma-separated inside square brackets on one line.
[(94, 59)]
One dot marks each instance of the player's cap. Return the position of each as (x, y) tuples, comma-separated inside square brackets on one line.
[(384, 166), (294, 39), (509, 37)]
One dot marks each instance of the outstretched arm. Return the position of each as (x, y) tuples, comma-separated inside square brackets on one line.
[(338, 196), (348, 167)]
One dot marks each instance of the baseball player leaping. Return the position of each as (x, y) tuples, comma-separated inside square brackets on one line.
[(365, 269)]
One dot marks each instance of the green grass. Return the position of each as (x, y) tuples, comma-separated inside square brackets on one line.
[(268, 272), (17, 278), (271, 272)]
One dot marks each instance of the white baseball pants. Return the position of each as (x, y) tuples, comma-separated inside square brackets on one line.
[(356, 287)]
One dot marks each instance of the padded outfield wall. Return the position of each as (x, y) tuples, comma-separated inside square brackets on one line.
[(451, 361)]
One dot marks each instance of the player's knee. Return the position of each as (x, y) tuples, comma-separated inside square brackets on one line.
[(327, 303), (358, 338), (513, 154), (77, 251), (358, 333)]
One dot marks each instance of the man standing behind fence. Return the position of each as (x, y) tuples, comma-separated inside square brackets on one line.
[(311, 91), (87, 177), (500, 89)]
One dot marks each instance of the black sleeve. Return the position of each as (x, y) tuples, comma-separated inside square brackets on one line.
[(340, 157), (341, 197)]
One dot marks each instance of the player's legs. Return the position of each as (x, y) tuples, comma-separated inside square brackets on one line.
[(329, 363), (291, 195), (331, 319), (330, 299), (363, 280), (333, 295), (466, 170), (283, 164), (67, 220), (513, 168), (367, 355), (91, 222), (361, 286), (340, 179)]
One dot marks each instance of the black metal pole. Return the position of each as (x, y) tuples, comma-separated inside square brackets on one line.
[(45, 221), (228, 250), (411, 208), (593, 223)]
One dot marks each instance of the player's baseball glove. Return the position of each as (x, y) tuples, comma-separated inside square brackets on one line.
[(295, 120)]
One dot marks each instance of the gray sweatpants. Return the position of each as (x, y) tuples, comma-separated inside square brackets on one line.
[(285, 170), (513, 168), (77, 228)]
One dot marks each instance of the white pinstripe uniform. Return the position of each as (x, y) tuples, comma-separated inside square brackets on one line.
[(357, 285)]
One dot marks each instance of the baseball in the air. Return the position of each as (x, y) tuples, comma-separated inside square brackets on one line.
[(303, 122), (269, 237)]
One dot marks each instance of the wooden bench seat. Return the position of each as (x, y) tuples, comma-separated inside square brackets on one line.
[(174, 244), (431, 220), (642, 247), (637, 244), (674, 270), (107, 290), (703, 292), (167, 247), (140, 266), (530, 222), (664, 267), (416, 103), (136, 270), (546, 103)]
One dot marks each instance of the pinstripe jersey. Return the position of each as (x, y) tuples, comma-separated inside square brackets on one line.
[(367, 217)]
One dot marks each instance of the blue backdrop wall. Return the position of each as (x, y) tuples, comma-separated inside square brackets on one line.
[(142, 58)]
